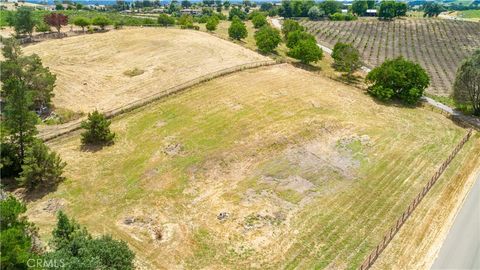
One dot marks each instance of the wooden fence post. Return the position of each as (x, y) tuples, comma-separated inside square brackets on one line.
[(411, 207)]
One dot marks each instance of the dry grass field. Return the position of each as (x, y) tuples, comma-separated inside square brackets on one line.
[(266, 168), (438, 45), (106, 71)]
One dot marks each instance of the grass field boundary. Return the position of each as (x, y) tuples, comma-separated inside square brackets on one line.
[(368, 262), (75, 125)]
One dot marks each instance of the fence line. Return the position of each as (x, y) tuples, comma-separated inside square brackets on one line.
[(75, 125), (372, 257)]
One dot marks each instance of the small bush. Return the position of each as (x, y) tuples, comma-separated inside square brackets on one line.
[(290, 26), (307, 51), (343, 17), (295, 36), (42, 27), (81, 22), (212, 23), (101, 22), (346, 58), (237, 29), (315, 13), (118, 24), (259, 20), (10, 163), (97, 130), (236, 12), (165, 20), (267, 39), (185, 21)]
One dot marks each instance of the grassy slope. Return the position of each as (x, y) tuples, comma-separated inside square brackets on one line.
[(230, 130), (470, 14), (324, 65)]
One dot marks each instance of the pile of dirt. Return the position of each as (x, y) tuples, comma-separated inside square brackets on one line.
[(149, 224), (54, 205)]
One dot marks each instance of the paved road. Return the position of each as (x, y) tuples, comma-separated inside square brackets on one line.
[(461, 249)]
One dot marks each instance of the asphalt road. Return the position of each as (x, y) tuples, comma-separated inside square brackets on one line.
[(461, 249)]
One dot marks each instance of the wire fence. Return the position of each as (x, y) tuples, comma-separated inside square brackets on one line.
[(405, 215), (75, 125)]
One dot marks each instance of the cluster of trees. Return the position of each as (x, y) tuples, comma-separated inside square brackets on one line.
[(24, 23), (301, 8), (342, 17), (27, 90), (315, 11), (359, 7), (100, 21), (432, 9), (301, 44), (71, 246), (391, 9)]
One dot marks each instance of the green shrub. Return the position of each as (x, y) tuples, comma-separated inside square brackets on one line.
[(16, 234), (267, 39), (101, 21), (466, 89), (237, 29), (306, 51), (295, 36), (118, 24), (236, 12), (259, 20), (315, 13), (73, 245), (165, 20), (97, 130), (41, 167), (81, 22), (42, 27), (290, 26), (398, 78), (186, 21), (346, 58), (10, 164), (212, 24)]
